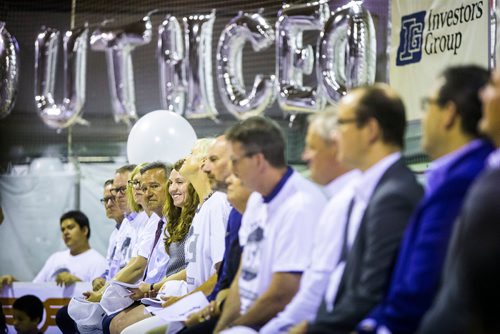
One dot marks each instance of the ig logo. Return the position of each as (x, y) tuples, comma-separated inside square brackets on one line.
[(410, 38)]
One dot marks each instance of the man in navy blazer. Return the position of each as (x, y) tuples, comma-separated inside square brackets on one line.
[(451, 139), (468, 299)]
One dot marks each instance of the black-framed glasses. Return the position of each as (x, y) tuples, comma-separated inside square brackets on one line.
[(121, 190), (134, 184), (235, 161), (426, 101), (106, 199)]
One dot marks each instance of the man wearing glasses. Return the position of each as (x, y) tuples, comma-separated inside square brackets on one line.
[(113, 211), (277, 227), (321, 152), (371, 123), (467, 301), (451, 138)]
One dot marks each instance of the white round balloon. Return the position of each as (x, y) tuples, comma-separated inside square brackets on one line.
[(160, 135)]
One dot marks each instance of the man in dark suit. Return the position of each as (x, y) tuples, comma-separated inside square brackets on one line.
[(467, 301), (451, 139), (371, 130)]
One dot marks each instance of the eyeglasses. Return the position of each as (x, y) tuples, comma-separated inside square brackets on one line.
[(106, 199), (425, 101), (342, 121), (134, 184), (121, 190), (235, 161)]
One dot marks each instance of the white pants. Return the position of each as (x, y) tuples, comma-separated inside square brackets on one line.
[(151, 323), (144, 325)]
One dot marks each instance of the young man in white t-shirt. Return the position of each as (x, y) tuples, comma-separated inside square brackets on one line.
[(277, 227), (79, 262)]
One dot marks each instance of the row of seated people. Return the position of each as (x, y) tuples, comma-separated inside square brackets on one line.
[(370, 252)]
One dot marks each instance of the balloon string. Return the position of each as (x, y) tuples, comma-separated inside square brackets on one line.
[(73, 12), (71, 158), (70, 128)]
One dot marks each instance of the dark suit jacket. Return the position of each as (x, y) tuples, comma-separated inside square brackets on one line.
[(468, 300), (371, 258), (420, 261)]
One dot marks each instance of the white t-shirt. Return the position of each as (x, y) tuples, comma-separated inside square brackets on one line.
[(111, 252), (86, 266), (205, 244), (126, 240), (329, 237), (277, 236)]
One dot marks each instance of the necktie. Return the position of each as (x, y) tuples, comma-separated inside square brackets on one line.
[(159, 229)]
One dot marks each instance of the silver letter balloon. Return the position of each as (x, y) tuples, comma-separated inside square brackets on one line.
[(347, 51), (294, 60), (256, 30), (170, 61), (118, 42), (9, 71), (59, 116)]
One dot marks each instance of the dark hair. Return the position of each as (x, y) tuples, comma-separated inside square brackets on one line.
[(79, 217), (386, 107), (260, 135), (108, 182), (31, 305), (125, 168), (154, 165), (179, 219), (461, 86)]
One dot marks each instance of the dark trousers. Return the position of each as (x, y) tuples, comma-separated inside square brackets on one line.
[(64, 321), (202, 328)]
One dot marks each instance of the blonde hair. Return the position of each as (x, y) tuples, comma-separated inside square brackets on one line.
[(132, 204)]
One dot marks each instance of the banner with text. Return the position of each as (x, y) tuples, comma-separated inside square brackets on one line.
[(430, 35)]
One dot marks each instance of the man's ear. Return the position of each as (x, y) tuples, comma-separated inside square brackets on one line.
[(451, 115), (86, 231), (373, 128)]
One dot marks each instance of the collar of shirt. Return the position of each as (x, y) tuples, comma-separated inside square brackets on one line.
[(279, 185), (131, 216), (494, 159), (337, 184), (154, 217), (370, 178), (438, 169)]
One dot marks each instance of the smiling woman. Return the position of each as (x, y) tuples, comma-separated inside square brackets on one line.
[(182, 204)]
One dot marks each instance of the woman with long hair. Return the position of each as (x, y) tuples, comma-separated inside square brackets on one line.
[(204, 246), (179, 210)]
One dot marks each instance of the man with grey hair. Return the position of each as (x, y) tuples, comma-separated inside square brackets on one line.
[(321, 154), (321, 150)]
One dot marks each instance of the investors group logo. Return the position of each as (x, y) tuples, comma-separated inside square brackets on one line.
[(438, 31), (410, 38)]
